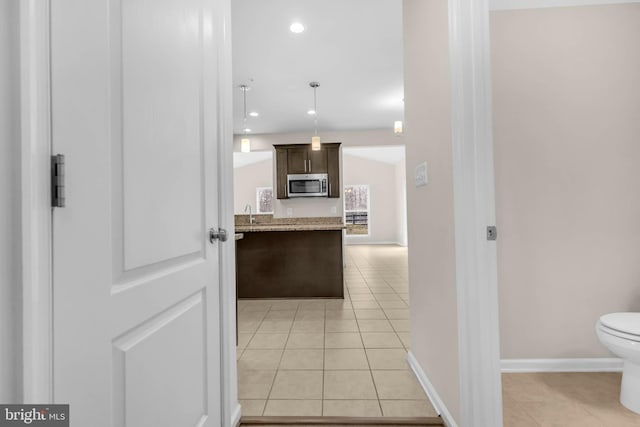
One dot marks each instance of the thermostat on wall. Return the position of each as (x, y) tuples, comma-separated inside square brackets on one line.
[(420, 175)]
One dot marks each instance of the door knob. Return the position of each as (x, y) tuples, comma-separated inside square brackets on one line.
[(219, 234)]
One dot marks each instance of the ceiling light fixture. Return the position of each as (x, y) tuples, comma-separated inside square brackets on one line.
[(311, 112), (254, 114), (245, 143), (296, 28), (315, 140), (397, 127)]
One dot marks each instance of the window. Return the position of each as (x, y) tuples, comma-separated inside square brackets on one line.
[(356, 209), (264, 200)]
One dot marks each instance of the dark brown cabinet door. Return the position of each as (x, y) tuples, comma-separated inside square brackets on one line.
[(318, 161), (281, 173), (297, 160), (333, 169)]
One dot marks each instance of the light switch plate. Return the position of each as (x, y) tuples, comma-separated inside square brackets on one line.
[(334, 209), (420, 176), (289, 211)]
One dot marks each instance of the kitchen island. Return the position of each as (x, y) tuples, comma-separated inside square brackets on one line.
[(289, 257)]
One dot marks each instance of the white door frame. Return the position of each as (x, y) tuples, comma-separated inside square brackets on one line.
[(230, 406), (37, 336), (474, 210)]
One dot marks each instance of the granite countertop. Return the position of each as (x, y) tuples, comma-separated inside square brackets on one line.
[(269, 223), (287, 227)]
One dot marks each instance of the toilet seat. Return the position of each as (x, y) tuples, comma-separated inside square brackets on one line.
[(623, 325)]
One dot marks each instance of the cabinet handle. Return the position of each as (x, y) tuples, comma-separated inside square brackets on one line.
[(305, 166), (309, 165), (329, 189)]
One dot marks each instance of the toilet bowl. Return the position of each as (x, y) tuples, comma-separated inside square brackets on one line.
[(620, 333)]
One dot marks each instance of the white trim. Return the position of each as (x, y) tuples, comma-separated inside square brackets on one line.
[(541, 4), (37, 304), (430, 391), (610, 364), (480, 388), (229, 382), (236, 415)]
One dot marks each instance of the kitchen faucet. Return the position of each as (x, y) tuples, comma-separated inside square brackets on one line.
[(248, 206)]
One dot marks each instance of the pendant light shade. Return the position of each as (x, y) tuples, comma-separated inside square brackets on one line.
[(245, 143), (315, 143), (397, 127), (315, 140)]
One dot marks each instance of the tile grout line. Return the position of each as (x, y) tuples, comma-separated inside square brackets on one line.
[(364, 349), (280, 361)]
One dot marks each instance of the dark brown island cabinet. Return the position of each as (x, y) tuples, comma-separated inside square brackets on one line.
[(290, 264), (301, 159)]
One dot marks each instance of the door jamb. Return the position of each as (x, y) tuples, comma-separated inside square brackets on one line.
[(229, 382), (474, 210), (35, 162)]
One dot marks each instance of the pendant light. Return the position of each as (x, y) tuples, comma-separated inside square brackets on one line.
[(315, 140), (245, 142), (397, 127)]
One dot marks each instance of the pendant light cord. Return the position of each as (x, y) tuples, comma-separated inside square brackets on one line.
[(315, 108), (244, 98)]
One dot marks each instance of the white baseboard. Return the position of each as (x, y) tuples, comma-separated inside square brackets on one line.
[(431, 392), (561, 365), (235, 417)]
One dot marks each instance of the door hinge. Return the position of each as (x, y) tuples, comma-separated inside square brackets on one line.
[(57, 181), (492, 232)]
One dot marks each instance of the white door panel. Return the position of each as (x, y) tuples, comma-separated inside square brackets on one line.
[(162, 129), (136, 301)]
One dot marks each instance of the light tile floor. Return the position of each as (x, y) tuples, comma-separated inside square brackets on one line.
[(565, 399), (333, 357), (348, 358)]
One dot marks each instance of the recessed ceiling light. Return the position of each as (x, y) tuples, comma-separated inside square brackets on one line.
[(311, 112), (254, 114), (296, 28), (246, 130)]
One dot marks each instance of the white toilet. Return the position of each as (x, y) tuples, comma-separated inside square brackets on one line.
[(620, 333)]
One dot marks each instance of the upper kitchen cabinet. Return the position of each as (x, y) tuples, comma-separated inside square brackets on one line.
[(333, 170), (301, 159)]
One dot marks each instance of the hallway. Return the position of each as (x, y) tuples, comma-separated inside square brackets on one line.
[(334, 357)]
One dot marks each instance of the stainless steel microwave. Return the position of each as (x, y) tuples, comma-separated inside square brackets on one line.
[(307, 185)]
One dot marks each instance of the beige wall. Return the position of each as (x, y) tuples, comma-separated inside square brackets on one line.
[(245, 181), (567, 156), (434, 325), (384, 198), (10, 289)]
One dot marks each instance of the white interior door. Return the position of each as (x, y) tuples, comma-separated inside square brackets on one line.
[(135, 279)]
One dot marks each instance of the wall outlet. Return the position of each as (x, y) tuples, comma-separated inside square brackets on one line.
[(289, 212), (420, 177), (334, 210)]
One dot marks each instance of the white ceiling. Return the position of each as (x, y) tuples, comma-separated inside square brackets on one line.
[(353, 48)]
